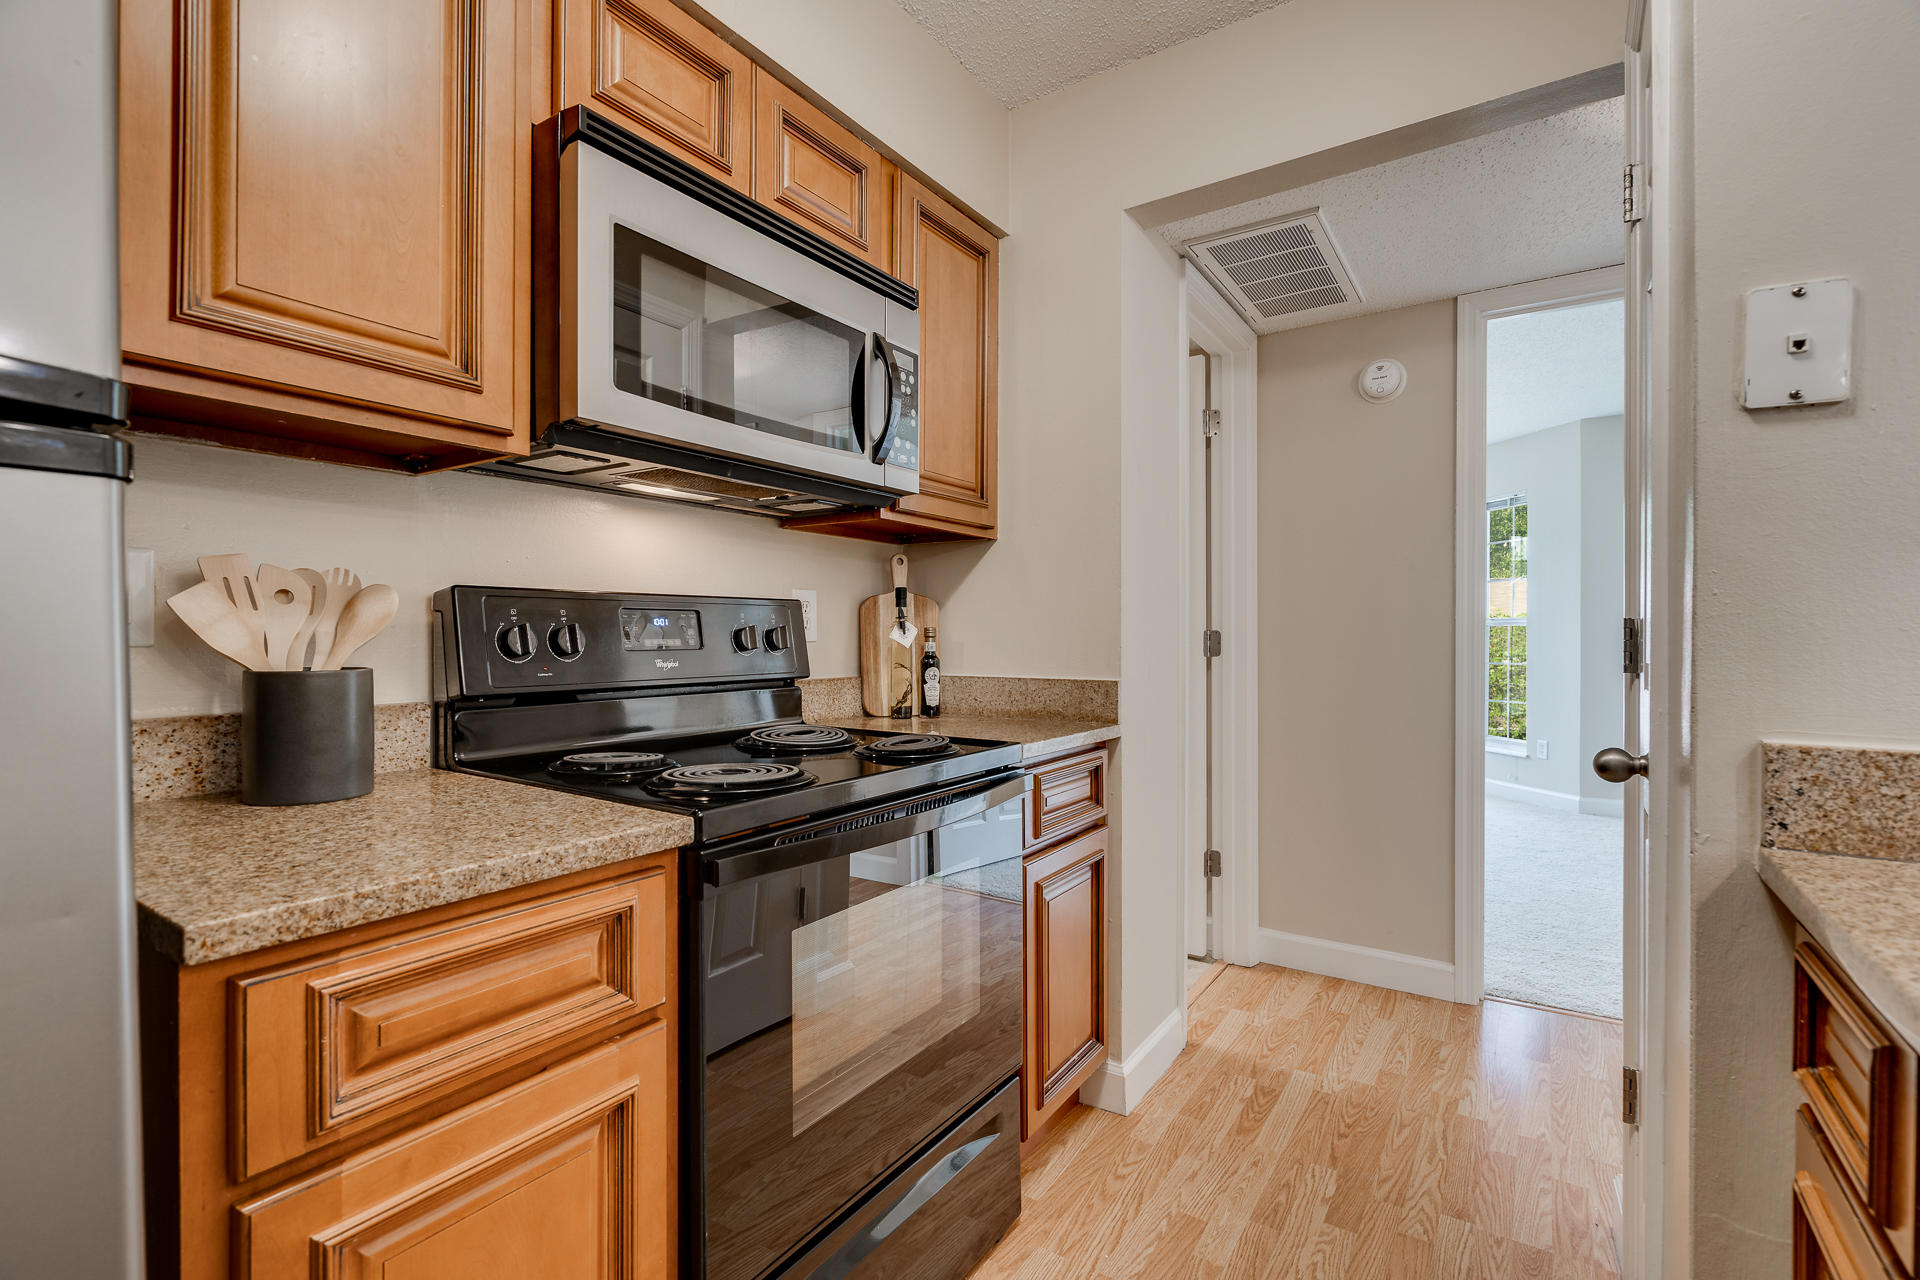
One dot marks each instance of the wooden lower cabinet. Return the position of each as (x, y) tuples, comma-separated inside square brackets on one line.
[(1066, 976), (483, 1089)]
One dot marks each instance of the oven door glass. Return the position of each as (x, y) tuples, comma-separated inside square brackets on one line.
[(852, 1008), (690, 335)]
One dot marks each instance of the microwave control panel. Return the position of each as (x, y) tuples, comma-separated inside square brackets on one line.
[(905, 449)]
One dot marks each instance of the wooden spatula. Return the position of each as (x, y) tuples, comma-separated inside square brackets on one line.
[(341, 586), (285, 599), (365, 616), (205, 608), (234, 573)]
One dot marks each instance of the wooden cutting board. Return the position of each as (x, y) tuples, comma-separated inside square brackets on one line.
[(878, 654)]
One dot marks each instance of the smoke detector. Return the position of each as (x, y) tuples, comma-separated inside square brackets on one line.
[(1279, 268)]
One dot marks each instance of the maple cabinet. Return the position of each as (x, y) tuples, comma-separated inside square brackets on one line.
[(1065, 1030), (654, 69), (488, 1088), (324, 218), (819, 173)]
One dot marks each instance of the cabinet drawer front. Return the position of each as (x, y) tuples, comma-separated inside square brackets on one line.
[(568, 1174), (1832, 1234), (1066, 796), (350, 1038), (1846, 1059)]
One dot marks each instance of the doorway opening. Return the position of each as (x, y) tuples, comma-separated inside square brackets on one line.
[(1555, 541)]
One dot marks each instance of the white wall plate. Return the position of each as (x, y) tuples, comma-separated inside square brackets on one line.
[(1799, 344)]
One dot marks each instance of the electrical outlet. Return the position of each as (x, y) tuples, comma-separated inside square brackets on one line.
[(809, 611), (1539, 748), (140, 597)]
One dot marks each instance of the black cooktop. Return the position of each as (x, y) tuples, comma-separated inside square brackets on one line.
[(738, 780)]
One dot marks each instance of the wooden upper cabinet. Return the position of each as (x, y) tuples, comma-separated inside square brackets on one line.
[(324, 222), (654, 69), (819, 173)]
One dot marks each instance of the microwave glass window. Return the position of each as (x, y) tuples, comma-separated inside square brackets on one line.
[(690, 335)]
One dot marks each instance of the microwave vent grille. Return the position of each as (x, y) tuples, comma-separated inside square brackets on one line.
[(1278, 268)]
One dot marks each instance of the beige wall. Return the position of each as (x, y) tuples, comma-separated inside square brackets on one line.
[(1807, 585), (421, 534), (1356, 643)]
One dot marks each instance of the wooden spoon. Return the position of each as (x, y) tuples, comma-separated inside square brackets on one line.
[(296, 659), (285, 599), (205, 608), (342, 585), (365, 616)]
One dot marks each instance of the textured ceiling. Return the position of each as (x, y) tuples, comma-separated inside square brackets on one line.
[(1539, 199), (1022, 49), (1549, 367)]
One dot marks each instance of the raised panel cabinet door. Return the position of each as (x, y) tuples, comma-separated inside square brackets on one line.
[(955, 264), (655, 69), (568, 1176), (328, 200), (818, 173), (1066, 1031)]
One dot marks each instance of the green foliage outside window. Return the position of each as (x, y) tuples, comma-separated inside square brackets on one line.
[(1507, 618)]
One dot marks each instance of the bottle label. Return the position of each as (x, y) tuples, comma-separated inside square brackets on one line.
[(931, 687)]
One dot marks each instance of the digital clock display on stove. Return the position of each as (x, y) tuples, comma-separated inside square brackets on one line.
[(647, 629)]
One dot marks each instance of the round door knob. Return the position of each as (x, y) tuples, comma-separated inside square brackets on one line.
[(515, 642), (567, 641), (778, 638), (746, 639), (1617, 764)]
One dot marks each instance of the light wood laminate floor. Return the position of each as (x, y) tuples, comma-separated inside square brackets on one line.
[(1322, 1128)]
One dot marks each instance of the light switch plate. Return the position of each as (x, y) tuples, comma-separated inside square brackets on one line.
[(1799, 344), (809, 611), (140, 597)]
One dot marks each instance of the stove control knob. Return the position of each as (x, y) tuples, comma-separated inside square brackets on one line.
[(567, 641), (746, 639), (778, 639), (515, 642)]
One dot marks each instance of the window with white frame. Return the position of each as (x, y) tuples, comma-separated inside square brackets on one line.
[(1507, 620)]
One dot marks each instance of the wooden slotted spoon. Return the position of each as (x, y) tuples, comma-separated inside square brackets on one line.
[(284, 600), (205, 608)]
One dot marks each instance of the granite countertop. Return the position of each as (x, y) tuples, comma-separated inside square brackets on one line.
[(1863, 912), (1038, 736), (216, 878)]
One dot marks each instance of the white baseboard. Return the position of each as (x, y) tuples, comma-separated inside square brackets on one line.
[(1415, 975), (1604, 807), (1534, 795), (1119, 1087)]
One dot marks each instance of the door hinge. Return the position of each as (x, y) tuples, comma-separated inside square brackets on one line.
[(1632, 195), (1209, 423), (1213, 863), (1210, 643), (1630, 1095), (1631, 656)]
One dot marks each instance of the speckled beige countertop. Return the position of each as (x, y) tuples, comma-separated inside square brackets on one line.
[(1866, 913), (216, 878), (1038, 737)]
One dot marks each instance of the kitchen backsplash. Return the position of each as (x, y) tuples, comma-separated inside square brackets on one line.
[(1019, 697), (1862, 801)]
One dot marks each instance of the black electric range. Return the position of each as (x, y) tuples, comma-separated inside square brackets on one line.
[(852, 918)]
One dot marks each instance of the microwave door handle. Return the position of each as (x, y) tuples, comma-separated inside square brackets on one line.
[(888, 418), (860, 397)]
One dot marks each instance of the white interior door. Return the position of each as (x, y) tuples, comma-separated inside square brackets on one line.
[(1199, 917), (1641, 898)]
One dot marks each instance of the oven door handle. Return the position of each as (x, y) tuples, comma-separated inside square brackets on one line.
[(837, 837)]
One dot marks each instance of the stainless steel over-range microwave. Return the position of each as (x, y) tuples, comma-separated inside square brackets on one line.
[(694, 345)]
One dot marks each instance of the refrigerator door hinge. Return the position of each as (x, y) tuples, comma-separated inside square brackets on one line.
[(1213, 863), (1632, 656), (1209, 423), (1632, 194), (1210, 644), (1630, 1095)]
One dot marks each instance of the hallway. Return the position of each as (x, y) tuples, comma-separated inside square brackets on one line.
[(1315, 1127)]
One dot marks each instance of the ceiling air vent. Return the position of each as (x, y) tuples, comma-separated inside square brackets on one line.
[(1278, 268)]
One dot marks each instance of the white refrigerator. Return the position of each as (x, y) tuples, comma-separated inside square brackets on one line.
[(69, 1095)]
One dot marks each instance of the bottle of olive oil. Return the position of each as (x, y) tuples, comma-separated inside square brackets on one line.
[(930, 678)]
